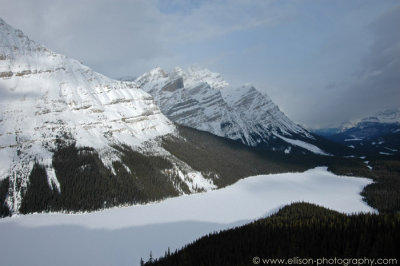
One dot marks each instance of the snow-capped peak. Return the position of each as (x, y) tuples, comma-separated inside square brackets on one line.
[(158, 71), (46, 96), (197, 74), (14, 41), (203, 100), (386, 116)]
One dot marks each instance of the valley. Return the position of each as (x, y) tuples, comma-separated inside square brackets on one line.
[(174, 166)]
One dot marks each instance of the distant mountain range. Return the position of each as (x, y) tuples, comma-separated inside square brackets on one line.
[(377, 134)]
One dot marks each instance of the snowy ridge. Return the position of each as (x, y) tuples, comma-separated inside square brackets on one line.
[(386, 116), (203, 100), (46, 96), (389, 116)]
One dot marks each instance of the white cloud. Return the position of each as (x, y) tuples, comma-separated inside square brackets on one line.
[(113, 35)]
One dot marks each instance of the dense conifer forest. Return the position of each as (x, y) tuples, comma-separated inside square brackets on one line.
[(86, 184), (4, 184), (300, 230), (384, 193)]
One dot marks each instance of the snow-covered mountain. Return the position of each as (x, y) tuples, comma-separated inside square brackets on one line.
[(72, 139), (386, 116), (46, 98), (201, 99), (378, 133)]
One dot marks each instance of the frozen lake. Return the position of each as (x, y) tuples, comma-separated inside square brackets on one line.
[(121, 236)]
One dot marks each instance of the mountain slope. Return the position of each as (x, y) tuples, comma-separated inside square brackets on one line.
[(201, 99), (294, 234), (54, 107)]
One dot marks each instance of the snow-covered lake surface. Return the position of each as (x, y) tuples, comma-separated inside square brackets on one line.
[(121, 236)]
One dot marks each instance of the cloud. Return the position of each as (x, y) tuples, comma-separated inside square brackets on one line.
[(216, 18), (121, 37), (377, 84), (322, 62), (348, 71), (106, 35)]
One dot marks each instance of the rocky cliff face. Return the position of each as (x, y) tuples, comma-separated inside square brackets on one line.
[(201, 99)]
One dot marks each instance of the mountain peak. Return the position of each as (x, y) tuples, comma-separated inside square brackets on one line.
[(388, 116), (197, 74), (158, 71), (179, 70), (4, 25), (202, 99), (46, 96), (14, 41), (385, 116)]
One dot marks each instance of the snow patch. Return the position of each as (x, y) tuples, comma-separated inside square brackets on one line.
[(288, 149), (304, 145), (195, 180), (367, 164), (354, 139)]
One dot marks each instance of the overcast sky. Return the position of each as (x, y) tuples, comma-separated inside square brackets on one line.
[(322, 62)]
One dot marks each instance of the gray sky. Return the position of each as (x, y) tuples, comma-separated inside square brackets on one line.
[(322, 62)]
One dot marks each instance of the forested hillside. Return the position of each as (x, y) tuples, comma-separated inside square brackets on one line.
[(299, 230)]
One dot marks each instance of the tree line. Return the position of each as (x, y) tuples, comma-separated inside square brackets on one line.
[(298, 230)]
